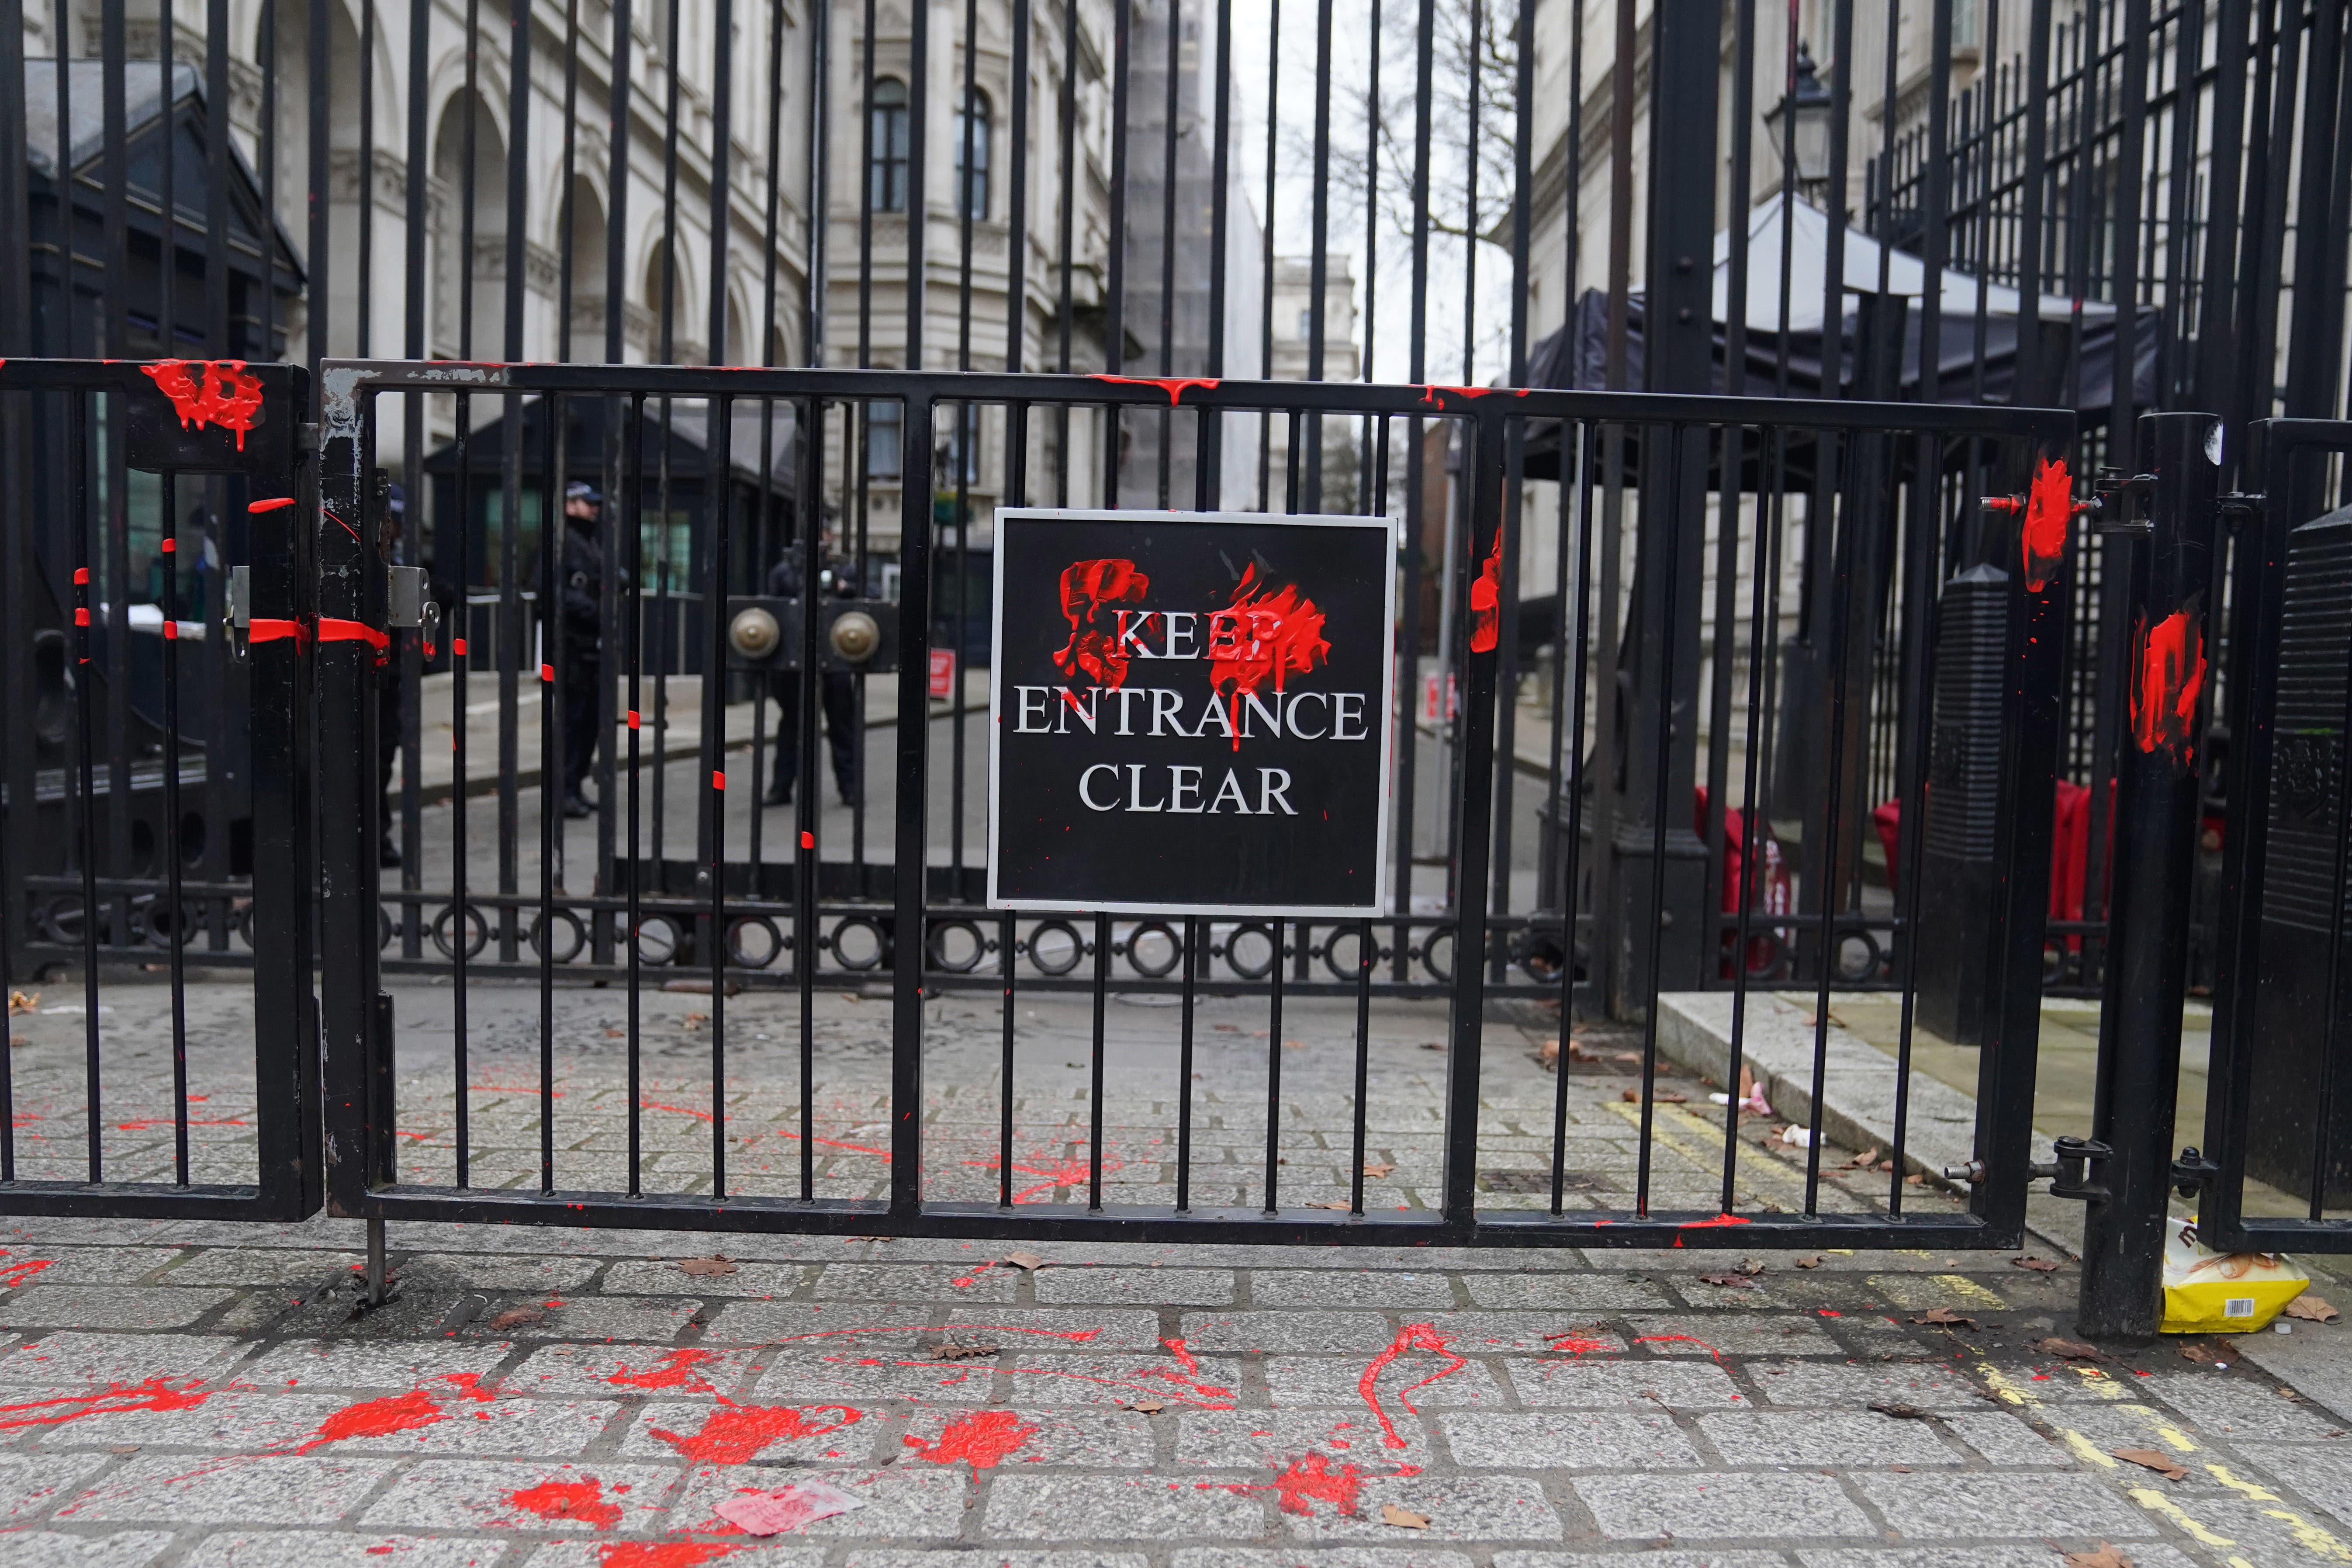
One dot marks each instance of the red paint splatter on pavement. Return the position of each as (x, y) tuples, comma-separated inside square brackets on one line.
[(209, 392), (1413, 1336), (147, 1123), (1487, 600), (1312, 1479), (2049, 509), (419, 1408), (2168, 677), (882, 1154), (1091, 591), (675, 1370), (984, 1438), (14, 1274), (1677, 1339), (583, 1501), (153, 1394), (734, 1433), (1572, 1344), (680, 1109), (662, 1553)]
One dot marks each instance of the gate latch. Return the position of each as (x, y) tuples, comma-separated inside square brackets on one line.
[(2192, 1173), (2139, 488), (241, 597), (2074, 1173), (404, 596)]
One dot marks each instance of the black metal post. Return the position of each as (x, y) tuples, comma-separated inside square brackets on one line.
[(2157, 805)]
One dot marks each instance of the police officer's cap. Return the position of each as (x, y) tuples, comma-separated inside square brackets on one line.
[(580, 490)]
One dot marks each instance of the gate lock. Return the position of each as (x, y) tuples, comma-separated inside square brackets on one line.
[(853, 635), (409, 602)]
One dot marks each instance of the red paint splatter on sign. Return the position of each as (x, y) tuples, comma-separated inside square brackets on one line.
[(1413, 1336), (1092, 592), (984, 1438), (2168, 676), (1312, 1479), (1268, 633), (734, 1433), (2049, 509), (1487, 600), (582, 1501), (206, 393)]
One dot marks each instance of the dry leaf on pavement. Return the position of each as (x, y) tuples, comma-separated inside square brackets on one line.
[(2106, 1556), (1663, 1097), (2039, 1265), (1402, 1517), (2312, 1310), (1811, 1260), (2072, 1349), (1028, 1261), (1147, 1406), (1376, 1171), (2200, 1351), (1900, 1411), (956, 1350), (1944, 1317), (2149, 1458), (707, 1268), (516, 1317), (1863, 1160), (1734, 1282), (1752, 1266)]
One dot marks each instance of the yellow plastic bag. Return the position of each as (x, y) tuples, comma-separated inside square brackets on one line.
[(2206, 1292)]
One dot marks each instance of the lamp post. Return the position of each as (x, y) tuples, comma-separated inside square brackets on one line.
[(1800, 125)]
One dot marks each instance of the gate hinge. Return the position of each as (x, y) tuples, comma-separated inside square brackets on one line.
[(2073, 1172), (2192, 1173)]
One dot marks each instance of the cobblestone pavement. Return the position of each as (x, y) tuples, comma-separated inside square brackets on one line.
[(200, 1394)]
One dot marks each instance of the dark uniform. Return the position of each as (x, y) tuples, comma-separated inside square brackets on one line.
[(835, 690), (579, 593)]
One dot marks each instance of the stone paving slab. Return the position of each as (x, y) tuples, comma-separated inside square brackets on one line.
[(177, 1393)]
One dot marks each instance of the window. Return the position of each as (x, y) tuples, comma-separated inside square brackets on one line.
[(972, 185), (883, 426), (886, 174), (960, 447)]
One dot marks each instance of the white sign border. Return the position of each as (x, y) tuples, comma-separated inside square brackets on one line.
[(1378, 906)]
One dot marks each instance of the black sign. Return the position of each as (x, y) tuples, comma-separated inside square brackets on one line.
[(1192, 712)]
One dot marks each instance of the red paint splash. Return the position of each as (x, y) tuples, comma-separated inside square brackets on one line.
[(147, 1123), (1413, 1336), (419, 1408), (1268, 633), (2049, 509), (209, 392), (1487, 600), (675, 1370), (582, 1501), (14, 1274), (1173, 385), (1091, 593), (984, 1438), (663, 1553), (1574, 1344), (1719, 1222), (1678, 1339), (1429, 392), (153, 1394), (1312, 1479), (2170, 675), (734, 1433)]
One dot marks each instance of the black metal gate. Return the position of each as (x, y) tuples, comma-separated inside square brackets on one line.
[(132, 844), (2279, 1120), (1883, 486)]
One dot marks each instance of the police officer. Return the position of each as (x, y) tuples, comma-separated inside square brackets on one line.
[(580, 592), (835, 689)]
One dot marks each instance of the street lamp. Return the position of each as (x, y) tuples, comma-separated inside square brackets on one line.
[(1801, 120)]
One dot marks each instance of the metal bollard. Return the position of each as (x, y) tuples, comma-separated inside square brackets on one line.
[(2154, 861)]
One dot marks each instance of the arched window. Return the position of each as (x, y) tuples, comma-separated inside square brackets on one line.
[(886, 174), (971, 184)]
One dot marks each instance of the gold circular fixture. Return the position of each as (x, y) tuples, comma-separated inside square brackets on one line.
[(754, 633), (856, 635)]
